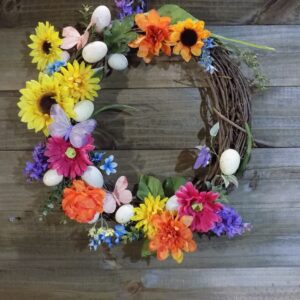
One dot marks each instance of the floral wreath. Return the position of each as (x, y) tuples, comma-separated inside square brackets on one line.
[(166, 215)]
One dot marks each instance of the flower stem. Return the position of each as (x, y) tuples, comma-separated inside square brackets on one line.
[(243, 43)]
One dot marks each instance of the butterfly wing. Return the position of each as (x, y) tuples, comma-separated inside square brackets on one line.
[(109, 205), (71, 37), (61, 124), (121, 194), (83, 40), (81, 131)]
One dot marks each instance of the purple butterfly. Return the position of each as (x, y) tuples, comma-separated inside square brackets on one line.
[(62, 127)]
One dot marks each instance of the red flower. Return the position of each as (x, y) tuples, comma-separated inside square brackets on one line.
[(199, 205), (66, 159)]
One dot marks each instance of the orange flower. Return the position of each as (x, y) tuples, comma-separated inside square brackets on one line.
[(82, 202), (156, 35), (187, 37), (171, 235)]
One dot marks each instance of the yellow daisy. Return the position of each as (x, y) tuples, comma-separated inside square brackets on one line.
[(37, 99), (80, 81), (144, 212), (187, 37), (45, 45)]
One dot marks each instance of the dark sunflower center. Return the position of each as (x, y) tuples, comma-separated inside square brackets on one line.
[(46, 102), (46, 47), (189, 37)]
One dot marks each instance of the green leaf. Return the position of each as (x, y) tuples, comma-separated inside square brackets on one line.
[(175, 12), (149, 185), (120, 107), (172, 184), (119, 35), (247, 155), (214, 130), (230, 179), (145, 249)]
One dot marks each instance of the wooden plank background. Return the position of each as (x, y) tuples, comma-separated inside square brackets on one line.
[(49, 260)]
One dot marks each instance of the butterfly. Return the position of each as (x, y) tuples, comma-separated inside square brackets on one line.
[(62, 127), (120, 195), (72, 37)]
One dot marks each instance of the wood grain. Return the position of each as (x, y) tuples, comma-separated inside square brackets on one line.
[(27, 13), (281, 67), (276, 119)]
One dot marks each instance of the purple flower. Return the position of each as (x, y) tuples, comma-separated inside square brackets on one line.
[(231, 223), (203, 158), (35, 170), (129, 7)]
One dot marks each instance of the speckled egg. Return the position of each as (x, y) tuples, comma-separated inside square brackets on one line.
[(83, 110), (118, 62), (94, 52), (52, 178), (124, 213)]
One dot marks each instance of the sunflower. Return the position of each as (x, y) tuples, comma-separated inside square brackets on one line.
[(187, 37), (80, 81), (37, 99), (45, 45), (145, 211)]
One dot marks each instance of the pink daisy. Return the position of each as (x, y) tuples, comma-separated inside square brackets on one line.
[(66, 159), (200, 205)]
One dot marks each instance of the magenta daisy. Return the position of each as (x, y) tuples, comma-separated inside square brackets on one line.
[(66, 159), (202, 206)]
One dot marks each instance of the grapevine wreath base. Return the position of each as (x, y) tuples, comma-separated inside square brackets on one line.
[(71, 64)]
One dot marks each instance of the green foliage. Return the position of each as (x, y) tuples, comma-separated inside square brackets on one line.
[(132, 235), (214, 130), (172, 184), (149, 185), (145, 249), (228, 179), (119, 35), (55, 198), (175, 12), (247, 156), (86, 13)]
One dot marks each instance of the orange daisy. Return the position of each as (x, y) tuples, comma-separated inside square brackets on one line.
[(82, 202), (156, 35), (171, 236), (187, 37)]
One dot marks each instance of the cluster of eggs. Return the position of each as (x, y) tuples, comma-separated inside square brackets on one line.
[(97, 50)]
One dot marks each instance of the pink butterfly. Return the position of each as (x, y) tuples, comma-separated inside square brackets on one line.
[(120, 195), (72, 37)]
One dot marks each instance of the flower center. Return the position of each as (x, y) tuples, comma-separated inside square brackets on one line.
[(46, 102), (70, 152), (189, 37), (197, 207), (156, 34), (46, 47)]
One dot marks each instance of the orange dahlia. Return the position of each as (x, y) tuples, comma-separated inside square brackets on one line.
[(82, 202), (171, 236), (156, 35), (187, 37)]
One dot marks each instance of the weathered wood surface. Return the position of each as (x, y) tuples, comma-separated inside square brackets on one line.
[(51, 261), (27, 12), (282, 67), (276, 119)]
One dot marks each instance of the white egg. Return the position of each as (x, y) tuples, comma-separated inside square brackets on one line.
[(83, 110), (94, 52), (172, 204), (118, 62), (101, 17), (230, 161), (93, 177), (124, 213), (95, 219), (51, 178)]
